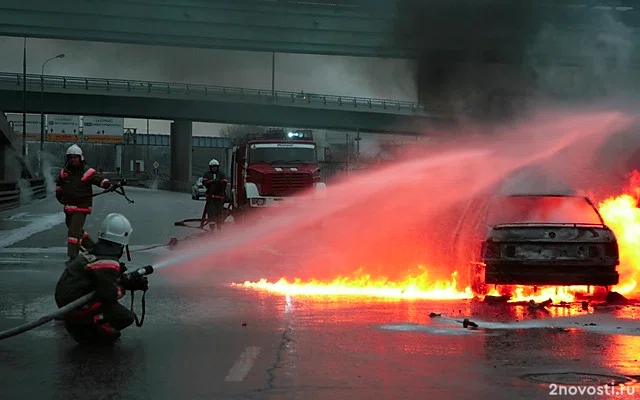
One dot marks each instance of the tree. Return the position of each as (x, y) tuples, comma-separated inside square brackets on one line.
[(238, 132)]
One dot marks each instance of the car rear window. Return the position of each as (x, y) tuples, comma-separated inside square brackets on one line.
[(541, 209)]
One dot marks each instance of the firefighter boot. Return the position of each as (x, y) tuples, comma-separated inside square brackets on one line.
[(73, 248)]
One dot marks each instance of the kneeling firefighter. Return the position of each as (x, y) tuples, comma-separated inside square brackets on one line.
[(99, 270), (216, 183)]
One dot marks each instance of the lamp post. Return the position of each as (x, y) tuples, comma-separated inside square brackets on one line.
[(273, 74), (42, 124), (24, 100)]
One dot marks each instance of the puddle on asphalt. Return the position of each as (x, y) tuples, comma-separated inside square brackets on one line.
[(594, 323), (436, 329)]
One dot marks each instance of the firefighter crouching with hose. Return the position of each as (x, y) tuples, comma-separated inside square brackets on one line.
[(99, 270), (73, 190), (215, 182)]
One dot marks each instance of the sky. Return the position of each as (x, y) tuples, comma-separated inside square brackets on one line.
[(348, 76)]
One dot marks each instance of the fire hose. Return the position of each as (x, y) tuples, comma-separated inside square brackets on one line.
[(129, 277), (116, 188)]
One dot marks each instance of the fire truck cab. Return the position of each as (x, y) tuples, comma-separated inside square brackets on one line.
[(274, 168)]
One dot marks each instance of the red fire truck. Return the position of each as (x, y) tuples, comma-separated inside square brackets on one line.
[(274, 168)]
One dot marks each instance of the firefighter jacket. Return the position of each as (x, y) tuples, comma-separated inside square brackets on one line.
[(216, 184), (73, 188), (89, 272)]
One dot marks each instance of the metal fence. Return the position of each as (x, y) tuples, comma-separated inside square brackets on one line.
[(16, 193), (74, 84)]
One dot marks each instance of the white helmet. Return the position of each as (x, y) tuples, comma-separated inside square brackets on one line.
[(75, 150), (115, 228), (214, 163)]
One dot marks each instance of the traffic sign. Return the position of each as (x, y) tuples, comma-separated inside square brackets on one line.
[(155, 171), (156, 165)]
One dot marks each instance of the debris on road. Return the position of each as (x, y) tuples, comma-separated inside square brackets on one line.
[(496, 299), (469, 324), (433, 315), (542, 304), (617, 298)]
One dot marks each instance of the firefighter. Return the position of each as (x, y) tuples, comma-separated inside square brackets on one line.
[(99, 270), (73, 190), (216, 183)]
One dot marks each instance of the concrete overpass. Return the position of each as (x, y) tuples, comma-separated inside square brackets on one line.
[(338, 27), (203, 103), (185, 103)]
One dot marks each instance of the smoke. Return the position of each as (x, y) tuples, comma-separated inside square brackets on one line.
[(492, 59), (49, 161), (26, 192), (346, 76)]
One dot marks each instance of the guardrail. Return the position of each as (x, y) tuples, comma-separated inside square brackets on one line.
[(210, 92), (10, 193)]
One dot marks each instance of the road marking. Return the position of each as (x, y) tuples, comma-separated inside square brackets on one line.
[(243, 364), (43, 223), (17, 216), (56, 250), (15, 261)]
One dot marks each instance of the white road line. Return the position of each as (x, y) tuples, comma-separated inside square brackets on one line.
[(43, 223), (243, 364), (39, 261), (18, 216), (56, 250)]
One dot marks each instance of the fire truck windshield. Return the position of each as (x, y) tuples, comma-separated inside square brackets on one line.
[(286, 153)]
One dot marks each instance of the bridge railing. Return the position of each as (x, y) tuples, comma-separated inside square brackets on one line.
[(151, 88)]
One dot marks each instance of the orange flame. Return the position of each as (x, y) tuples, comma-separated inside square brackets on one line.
[(414, 286), (620, 213)]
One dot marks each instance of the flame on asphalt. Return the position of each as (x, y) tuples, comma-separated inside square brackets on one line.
[(620, 213)]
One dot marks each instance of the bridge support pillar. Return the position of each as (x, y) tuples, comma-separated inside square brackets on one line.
[(181, 155)]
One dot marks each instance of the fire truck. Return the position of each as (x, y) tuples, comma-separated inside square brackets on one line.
[(276, 167)]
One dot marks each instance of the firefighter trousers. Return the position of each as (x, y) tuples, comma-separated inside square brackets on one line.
[(215, 208), (102, 325), (76, 235)]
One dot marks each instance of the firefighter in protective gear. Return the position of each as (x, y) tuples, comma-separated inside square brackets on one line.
[(73, 190), (215, 182), (99, 270)]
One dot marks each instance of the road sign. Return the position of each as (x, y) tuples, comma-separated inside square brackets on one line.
[(155, 171), (156, 165)]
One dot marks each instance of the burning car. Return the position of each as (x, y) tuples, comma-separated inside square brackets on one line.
[(536, 240)]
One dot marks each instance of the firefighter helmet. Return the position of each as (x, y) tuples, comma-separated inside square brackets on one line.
[(214, 163), (115, 228), (75, 150)]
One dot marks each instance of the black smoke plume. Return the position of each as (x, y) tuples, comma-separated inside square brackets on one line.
[(490, 59)]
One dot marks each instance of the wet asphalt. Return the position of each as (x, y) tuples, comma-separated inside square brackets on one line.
[(203, 339)]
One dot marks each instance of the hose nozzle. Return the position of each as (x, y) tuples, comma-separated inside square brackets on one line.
[(140, 272)]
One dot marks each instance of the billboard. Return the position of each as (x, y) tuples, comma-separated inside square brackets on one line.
[(33, 123), (102, 126), (63, 124), (103, 139)]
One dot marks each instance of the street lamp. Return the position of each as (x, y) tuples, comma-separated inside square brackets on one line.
[(42, 111)]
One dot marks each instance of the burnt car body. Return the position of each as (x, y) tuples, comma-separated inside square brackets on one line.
[(537, 240)]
